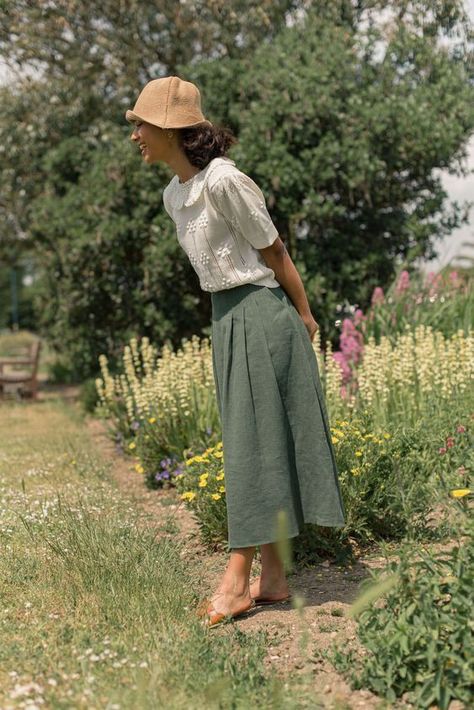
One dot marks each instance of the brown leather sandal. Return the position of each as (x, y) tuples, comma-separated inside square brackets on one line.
[(262, 601)]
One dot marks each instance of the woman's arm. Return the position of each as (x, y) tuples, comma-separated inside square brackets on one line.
[(277, 258)]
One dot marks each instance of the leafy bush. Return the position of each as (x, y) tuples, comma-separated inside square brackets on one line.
[(419, 640), (388, 481), (202, 486)]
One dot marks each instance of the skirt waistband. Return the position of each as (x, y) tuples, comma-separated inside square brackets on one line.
[(223, 301)]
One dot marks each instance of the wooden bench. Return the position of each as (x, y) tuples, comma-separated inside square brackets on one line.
[(28, 380)]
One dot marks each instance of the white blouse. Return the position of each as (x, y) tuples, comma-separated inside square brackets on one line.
[(222, 221)]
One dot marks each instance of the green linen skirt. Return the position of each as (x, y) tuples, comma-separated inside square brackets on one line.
[(278, 453)]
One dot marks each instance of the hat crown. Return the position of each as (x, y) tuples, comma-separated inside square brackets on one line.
[(169, 102)]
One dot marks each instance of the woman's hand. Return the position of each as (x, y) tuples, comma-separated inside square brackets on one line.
[(311, 325)]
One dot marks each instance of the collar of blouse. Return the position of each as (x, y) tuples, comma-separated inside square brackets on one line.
[(185, 194)]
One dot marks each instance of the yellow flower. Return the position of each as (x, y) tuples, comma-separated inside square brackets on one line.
[(334, 439), (132, 445), (189, 495), (139, 468), (358, 453), (73, 461), (355, 470), (460, 492), (152, 420), (387, 436), (204, 476), (203, 483), (215, 496), (220, 476), (222, 489), (219, 454), (188, 462), (219, 445)]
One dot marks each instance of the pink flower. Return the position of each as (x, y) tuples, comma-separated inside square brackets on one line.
[(461, 429), (403, 282), (358, 317), (449, 442), (343, 364), (377, 295), (442, 450)]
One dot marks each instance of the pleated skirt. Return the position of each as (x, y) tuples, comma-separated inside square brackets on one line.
[(278, 453)]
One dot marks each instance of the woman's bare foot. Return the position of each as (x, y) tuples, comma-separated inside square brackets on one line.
[(272, 590)]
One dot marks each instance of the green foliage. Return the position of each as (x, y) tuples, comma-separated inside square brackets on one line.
[(342, 140), (420, 640), (111, 263), (88, 396), (202, 485), (444, 301), (392, 483)]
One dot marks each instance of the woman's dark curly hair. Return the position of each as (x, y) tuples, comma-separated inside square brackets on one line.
[(203, 142)]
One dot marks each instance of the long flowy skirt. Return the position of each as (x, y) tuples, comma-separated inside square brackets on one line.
[(278, 453)]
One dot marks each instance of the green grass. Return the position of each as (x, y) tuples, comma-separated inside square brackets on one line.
[(96, 611)]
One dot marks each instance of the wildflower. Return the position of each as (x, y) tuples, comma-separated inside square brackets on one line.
[(460, 492), (377, 296), (442, 450), (215, 496), (334, 440), (462, 470), (188, 462), (221, 489), (132, 445), (219, 454), (134, 425), (139, 468), (386, 436), (358, 453), (220, 476), (73, 461), (355, 470), (189, 495), (403, 282), (203, 483), (152, 420), (449, 442), (461, 429)]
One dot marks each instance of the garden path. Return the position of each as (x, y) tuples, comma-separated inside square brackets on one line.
[(327, 589)]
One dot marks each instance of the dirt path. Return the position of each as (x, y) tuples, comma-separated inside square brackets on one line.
[(326, 588)]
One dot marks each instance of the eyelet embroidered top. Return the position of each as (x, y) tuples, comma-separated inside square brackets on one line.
[(222, 221)]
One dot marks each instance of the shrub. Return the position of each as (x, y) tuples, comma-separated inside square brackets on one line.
[(202, 486), (419, 640)]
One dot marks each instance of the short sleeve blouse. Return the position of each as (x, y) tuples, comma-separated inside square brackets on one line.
[(222, 221)]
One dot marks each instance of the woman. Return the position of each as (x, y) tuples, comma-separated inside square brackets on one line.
[(278, 455)]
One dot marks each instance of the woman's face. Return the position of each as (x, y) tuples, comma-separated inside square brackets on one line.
[(152, 141)]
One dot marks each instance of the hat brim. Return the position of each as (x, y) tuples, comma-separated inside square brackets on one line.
[(132, 116)]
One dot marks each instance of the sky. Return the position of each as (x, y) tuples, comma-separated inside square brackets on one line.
[(459, 189)]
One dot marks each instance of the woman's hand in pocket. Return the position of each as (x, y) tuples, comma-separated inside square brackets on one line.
[(311, 326)]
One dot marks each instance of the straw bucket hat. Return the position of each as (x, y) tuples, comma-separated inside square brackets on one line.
[(169, 102)]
